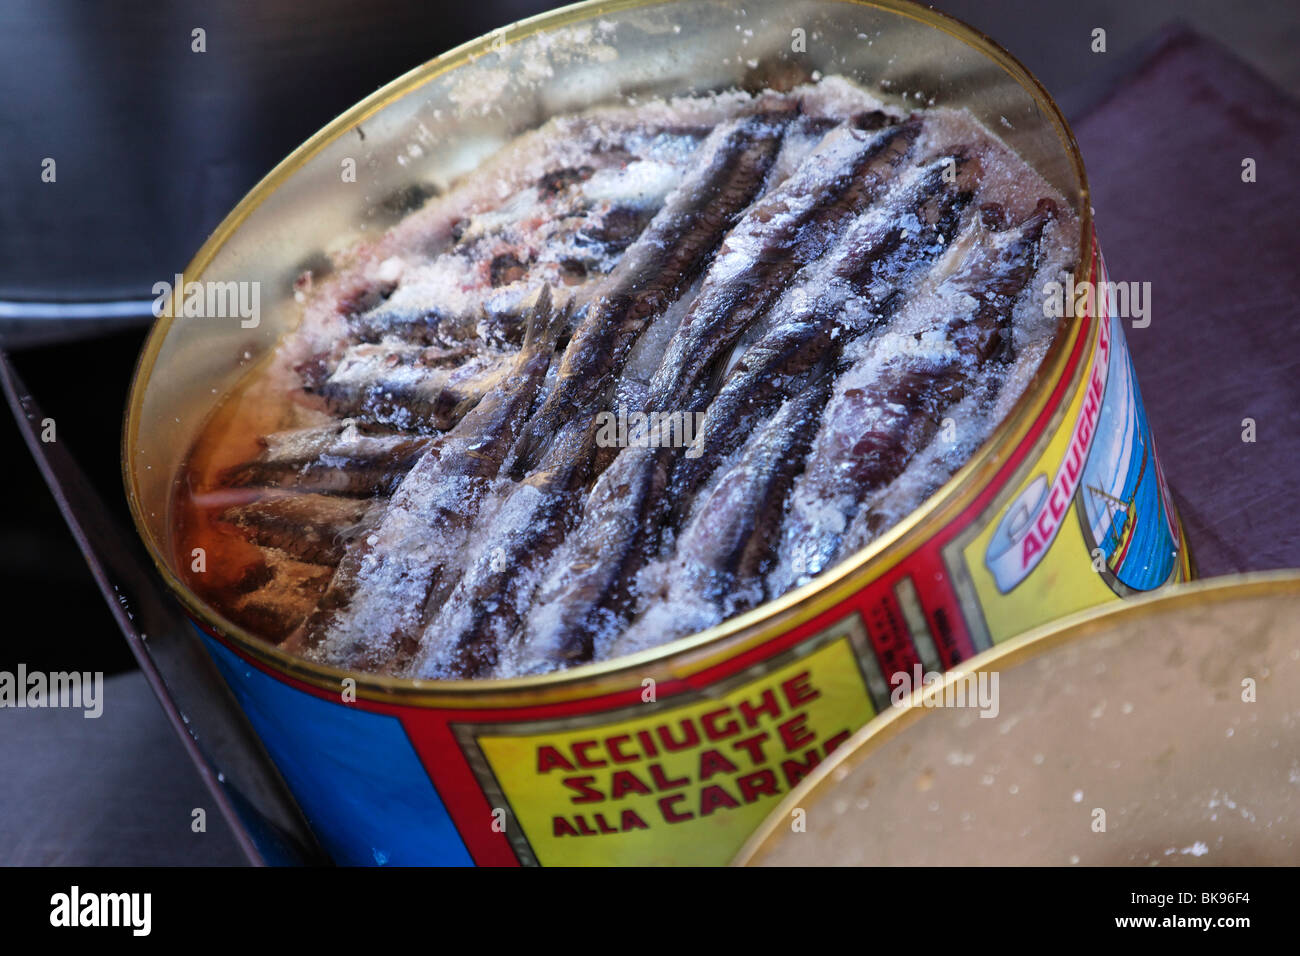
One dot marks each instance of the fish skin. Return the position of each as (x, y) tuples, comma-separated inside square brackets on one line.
[(591, 580), (730, 542), (937, 203), (312, 528), (870, 433), (659, 266), (494, 248), (793, 225), (334, 289), (466, 638), (777, 365), (407, 552), (593, 585), (418, 329), (987, 335), (625, 515), (771, 370), (606, 564), (339, 459), (277, 594), (371, 389)]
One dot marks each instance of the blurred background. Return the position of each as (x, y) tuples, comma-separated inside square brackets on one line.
[(155, 143)]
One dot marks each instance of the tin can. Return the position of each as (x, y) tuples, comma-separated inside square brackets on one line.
[(672, 755), (1159, 731)]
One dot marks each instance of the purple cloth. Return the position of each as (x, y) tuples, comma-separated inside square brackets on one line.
[(1164, 155)]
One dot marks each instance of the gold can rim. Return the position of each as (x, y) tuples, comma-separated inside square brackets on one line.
[(685, 655), (1013, 652)]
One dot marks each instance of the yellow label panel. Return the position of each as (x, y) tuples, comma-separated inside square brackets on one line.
[(1064, 581), (679, 785)]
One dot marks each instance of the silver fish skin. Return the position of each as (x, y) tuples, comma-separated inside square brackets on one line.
[(375, 386), (311, 528), (479, 621), (794, 224), (659, 266), (624, 517), (891, 404), (589, 588), (372, 613), (341, 458), (730, 542), (845, 295), (722, 556)]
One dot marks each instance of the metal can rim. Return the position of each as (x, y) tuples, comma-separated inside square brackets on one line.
[(1014, 651), (686, 655)]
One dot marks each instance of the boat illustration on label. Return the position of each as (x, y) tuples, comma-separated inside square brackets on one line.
[(1122, 501), (1112, 476)]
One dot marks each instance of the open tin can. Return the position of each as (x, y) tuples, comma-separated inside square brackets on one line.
[(673, 755), (1157, 732)]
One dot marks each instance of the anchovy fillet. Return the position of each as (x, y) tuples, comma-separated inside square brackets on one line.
[(659, 265), (373, 610), (891, 405), (341, 458)]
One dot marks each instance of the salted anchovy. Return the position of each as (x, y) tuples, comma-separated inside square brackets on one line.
[(418, 327), (877, 259), (277, 594), (623, 518), (882, 253), (312, 528), (391, 386), (659, 265), (480, 619), (339, 458), (374, 608), (590, 592), (504, 194), (724, 553), (599, 588), (891, 405), (735, 529), (567, 227), (796, 274), (795, 224)]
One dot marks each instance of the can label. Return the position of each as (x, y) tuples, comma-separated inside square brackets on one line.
[(693, 775), (1096, 490), (682, 769)]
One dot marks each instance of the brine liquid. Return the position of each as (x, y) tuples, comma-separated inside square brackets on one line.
[(214, 559)]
